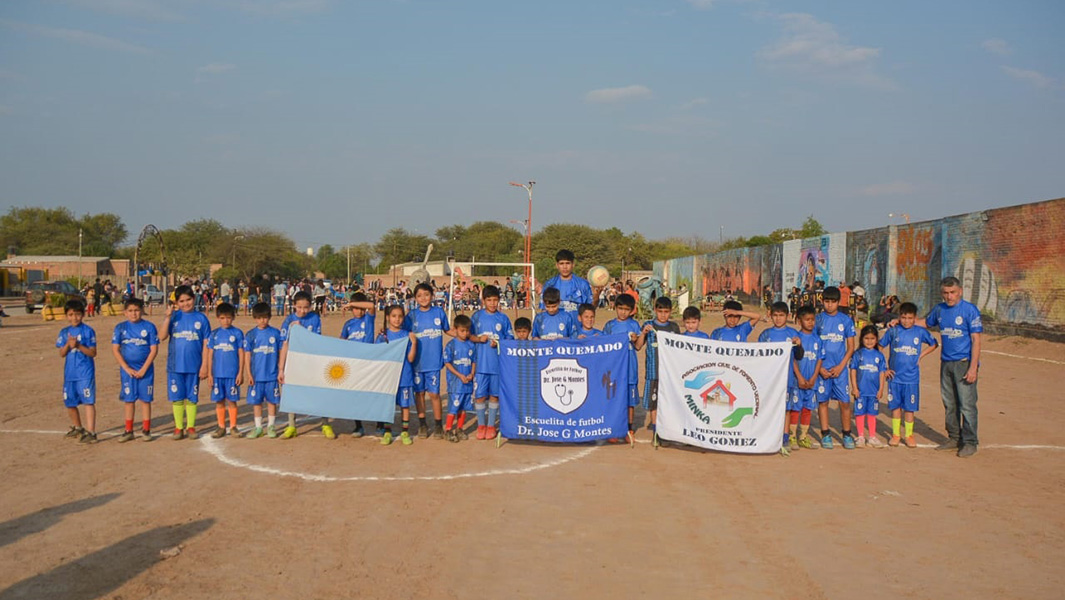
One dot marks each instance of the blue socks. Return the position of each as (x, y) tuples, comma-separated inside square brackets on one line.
[(493, 410), (479, 407)]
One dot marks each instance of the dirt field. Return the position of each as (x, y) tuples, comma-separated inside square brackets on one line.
[(313, 518)]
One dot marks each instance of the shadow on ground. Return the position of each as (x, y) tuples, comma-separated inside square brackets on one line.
[(20, 527)]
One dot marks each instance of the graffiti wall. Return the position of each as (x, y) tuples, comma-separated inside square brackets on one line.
[(1011, 262)]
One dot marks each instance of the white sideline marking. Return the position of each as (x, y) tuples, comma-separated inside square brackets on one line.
[(1046, 360), (215, 450)]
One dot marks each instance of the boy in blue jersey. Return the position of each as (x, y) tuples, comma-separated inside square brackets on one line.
[(552, 323), (429, 324), (77, 346), (574, 290), (488, 325), (868, 372), (904, 343), (262, 352), (187, 331), (302, 317), (802, 399), (693, 319), (624, 307), (522, 329), (734, 330), (836, 331), (649, 337), (360, 328), (781, 332), (461, 368), (135, 342), (586, 318), (394, 332), (225, 362)]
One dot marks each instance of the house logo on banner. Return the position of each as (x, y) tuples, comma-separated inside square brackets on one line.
[(564, 385), (721, 395)]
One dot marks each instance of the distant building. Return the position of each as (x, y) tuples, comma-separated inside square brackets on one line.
[(64, 267)]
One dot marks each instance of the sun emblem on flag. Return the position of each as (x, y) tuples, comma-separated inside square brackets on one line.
[(336, 372)]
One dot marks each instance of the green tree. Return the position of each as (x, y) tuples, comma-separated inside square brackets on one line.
[(102, 234), (811, 227), (34, 230), (399, 246)]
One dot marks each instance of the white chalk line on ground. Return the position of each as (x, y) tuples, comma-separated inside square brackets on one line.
[(1035, 358)]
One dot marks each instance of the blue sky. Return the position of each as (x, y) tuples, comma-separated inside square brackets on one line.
[(334, 121)]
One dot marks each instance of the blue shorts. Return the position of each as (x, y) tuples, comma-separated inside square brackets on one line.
[(906, 396), (225, 389), (264, 391), (427, 381), (184, 386), (799, 399), (459, 402), (866, 405), (650, 394), (404, 397), (79, 391), (838, 388), (634, 395), (131, 390), (485, 385)]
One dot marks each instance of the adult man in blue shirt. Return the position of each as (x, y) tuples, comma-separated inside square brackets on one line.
[(960, 327)]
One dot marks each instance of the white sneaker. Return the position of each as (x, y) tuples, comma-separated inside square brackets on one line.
[(859, 442), (874, 442)]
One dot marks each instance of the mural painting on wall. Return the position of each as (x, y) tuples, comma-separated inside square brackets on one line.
[(772, 270), (730, 272), (867, 259), (813, 263), (918, 264)]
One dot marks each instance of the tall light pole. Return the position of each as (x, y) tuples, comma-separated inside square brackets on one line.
[(233, 261), (79, 258), (348, 252), (904, 216), (528, 241)]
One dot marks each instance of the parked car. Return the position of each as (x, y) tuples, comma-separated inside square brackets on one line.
[(39, 293), (152, 294)]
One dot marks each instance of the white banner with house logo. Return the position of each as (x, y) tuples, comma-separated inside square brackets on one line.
[(727, 396)]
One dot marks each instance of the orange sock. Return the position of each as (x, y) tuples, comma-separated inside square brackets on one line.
[(462, 420), (232, 416), (220, 412)]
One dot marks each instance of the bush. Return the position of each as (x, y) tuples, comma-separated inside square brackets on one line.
[(57, 300)]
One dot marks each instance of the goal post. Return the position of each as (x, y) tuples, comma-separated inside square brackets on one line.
[(473, 266)]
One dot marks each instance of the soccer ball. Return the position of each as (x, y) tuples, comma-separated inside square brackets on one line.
[(598, 276)]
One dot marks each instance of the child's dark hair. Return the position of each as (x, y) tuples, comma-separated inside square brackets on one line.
[(552, 296), (490, 291), (225, 309), (462, 321), (260, 310), (625, 300), (585, 307), (522, 323), (301, 295), (907, 308), (732, 305), (831, 293), (869, 329), (564, 255), (74, 305), (359, 297), (183, 290), (423, 286), (392, 308), (779, 307), (663, 302), (804, 310), (133, 302), (692, 312)]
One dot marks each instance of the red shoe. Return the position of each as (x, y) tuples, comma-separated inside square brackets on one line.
[(481, 431), (894, 441), (490, 433), (910, 442)]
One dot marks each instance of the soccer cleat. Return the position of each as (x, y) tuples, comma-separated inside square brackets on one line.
[(451, 436), (952, 445), (462, 434), (380, 430), (88, 438), (784, 451), (848, 442), (480, 432), (438, 434), (255, 433), (271, 432), (218, 433), (490, 433), (859, 442), (793, 444), (966, 450), (826, 442), (406, 438), (146, 435), (423, 431), (358, 433), (75, 432), (910, 442), (125, 437), (327, 431), (808, 443), (289, 433), (191, 433), (179, 434), (874, 442), (233, 431), (894, 441), (386, 439)]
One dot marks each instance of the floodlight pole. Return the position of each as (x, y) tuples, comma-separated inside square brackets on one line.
[(528, 240), (79, 259)]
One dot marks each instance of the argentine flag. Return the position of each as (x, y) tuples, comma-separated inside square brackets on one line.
[(330, 377)]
